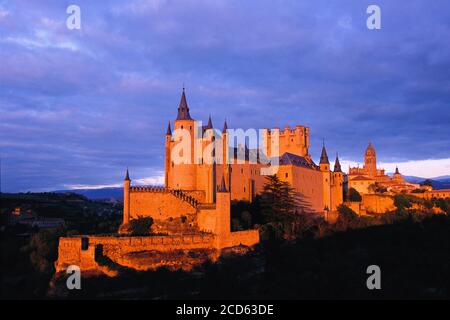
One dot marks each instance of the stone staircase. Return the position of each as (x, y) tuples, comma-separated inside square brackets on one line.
[(177, 193)]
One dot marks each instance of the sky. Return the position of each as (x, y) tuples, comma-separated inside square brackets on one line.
[(79, 106)]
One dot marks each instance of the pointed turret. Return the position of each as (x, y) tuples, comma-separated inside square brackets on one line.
[(337, 165), (225, 127), (324, 156), (127, 176), (169, 130), (209, 125), (223, 187), (126, 198), (396, 170), (183, 109)]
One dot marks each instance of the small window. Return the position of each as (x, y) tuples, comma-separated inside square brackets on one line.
[(244, 189), (242, 171), (84, 243), (287, 174), (181, 127)]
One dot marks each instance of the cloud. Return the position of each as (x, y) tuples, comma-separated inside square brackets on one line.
[(79, 106)]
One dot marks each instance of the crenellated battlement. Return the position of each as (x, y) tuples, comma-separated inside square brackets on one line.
[(300, 130)]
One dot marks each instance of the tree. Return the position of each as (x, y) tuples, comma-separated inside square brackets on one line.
[(279, 205), (42, 249), (402, 202), (137, 227), (347, 218), (427, 182), (353, 195)]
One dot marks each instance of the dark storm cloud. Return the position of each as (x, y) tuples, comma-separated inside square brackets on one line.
[(78, 106)]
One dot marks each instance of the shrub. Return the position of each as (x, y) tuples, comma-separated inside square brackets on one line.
[(140, 226), (402, 202), (347, 219), (353, 195)]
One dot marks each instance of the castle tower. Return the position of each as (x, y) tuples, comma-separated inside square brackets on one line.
[(337, 185), (126, 198), (223, 221), (324, 165), (225, 155), (182, 172), (167, 162), (370, 161)]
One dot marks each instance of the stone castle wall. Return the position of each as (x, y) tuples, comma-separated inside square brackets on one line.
[(162, 204), (72, 250), (376, 203)]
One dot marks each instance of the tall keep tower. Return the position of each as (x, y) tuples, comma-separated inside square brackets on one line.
[(181, 171), (324, 165), (337, 185)]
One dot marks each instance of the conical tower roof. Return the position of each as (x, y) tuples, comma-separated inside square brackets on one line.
[(183, 109), (324, 156), (337, 165)]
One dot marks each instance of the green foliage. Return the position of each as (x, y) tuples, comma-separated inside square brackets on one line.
[(418, 191), (272, 232), (141, 226), (247, 213), (42, 250), (427, 182), (347, 218), (278, 200), (353, 195), (443, 204), (246, 219), (279, 206), (402, 202), (236, 224)]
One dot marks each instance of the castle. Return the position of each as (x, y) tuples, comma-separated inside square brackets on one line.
[(210, 157), (204, 171)]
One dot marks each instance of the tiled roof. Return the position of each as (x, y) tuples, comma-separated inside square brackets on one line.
[(360, 178), (324, 156), (298, 161)]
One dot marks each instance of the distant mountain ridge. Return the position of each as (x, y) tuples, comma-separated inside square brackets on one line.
[(116, 193), (441, 182), (110, 193)]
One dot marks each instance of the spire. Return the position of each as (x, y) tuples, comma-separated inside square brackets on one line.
[(324, 156), (223, 187), (337, 165), (127, 176), (225, 127), (209, 125), (169, 131), (370, 150), (183, 109), (396, 170)]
